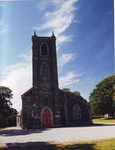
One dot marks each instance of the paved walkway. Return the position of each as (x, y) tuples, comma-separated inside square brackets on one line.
[(57, 135)]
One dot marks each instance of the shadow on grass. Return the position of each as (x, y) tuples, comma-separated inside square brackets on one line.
[(79, 147), (102, 124), (109, 118), (46, 146)]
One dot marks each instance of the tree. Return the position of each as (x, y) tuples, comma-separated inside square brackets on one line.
[(101, 98), (74, 94), (6, 109), (67, 90)]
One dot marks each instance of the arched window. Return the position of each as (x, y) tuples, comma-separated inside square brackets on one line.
[(45, 70), (44, 49), (76, 112)]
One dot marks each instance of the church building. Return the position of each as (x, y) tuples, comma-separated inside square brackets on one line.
[(45, 105)]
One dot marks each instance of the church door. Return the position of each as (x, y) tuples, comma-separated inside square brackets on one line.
[(46, 118)]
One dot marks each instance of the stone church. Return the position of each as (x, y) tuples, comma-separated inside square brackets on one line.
[(45, 105)]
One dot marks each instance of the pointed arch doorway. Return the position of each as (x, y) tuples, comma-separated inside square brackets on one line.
[(46, 117)]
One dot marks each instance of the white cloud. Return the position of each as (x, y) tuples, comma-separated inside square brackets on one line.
[(69, 78), (65, 58), (19, 80), (19, 75), (59, 19), (43, 4), (61, 39)]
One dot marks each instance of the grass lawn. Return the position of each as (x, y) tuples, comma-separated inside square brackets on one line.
[(104, 120), (93, 145)]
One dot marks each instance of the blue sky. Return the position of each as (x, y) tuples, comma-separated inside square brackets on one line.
[(85, 42)]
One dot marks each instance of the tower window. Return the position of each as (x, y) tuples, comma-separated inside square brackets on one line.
[(44, 50), (45, 70)]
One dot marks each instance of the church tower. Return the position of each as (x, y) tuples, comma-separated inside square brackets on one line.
[(45, 105), (45, 91)]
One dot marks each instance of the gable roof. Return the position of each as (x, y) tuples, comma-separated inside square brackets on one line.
[(27, 93)]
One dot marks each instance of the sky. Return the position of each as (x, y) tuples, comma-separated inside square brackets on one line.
[(84, 31)]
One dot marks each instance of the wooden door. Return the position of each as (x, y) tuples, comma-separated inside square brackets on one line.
[(46, 118)]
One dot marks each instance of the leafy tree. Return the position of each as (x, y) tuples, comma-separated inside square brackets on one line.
[(6, 109), (101, 98), (74, 94), (66, 90)]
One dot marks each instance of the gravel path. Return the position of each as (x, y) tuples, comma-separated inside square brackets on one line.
[(57, 135)]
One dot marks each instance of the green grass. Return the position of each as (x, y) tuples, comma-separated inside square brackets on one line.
[(91, 145), (104, 120)]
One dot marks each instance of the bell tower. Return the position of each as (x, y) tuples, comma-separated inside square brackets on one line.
[(45, 91)]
